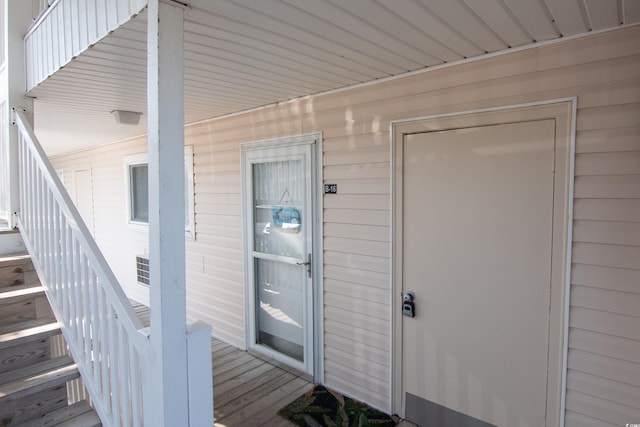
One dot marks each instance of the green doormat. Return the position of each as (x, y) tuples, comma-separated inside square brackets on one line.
[(323, 407)]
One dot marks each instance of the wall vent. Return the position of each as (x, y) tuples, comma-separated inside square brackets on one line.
[(142, 269)]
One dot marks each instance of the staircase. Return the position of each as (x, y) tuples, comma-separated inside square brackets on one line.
[(33, 379)]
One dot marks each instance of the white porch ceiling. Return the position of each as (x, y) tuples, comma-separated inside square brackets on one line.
[(241, 54)]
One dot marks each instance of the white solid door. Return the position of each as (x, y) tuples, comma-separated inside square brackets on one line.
[(278, 192), (476, 251)]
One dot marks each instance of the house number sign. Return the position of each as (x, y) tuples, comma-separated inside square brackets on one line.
[(330, 188)]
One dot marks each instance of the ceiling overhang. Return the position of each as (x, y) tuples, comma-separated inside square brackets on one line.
[(242, 54)]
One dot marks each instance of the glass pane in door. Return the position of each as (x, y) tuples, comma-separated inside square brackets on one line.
[(279, 305), (278, 208), (279, 192)]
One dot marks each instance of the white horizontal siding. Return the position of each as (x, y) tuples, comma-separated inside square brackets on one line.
[(603, 387), (605, 367), (68, 28), (608, 345), (604, 342), (592, 410)]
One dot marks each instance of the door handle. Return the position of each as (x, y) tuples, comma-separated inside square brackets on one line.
[(308, 264)]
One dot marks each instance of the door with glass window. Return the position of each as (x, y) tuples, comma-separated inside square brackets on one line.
[(279, 233)]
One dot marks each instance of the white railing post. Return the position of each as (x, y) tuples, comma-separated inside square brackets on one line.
[(17, 18), (200, 380), (169, 398)]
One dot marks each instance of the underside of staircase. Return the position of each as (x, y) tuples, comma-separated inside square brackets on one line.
[(34, 372)]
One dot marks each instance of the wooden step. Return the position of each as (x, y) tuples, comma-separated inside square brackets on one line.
[(36, 378), (24, 343), (27, 331), (36, 390), (77, 415), (14, 259), (11, 242), (36, 369), (24, 302), (15, 293), (16, 270)]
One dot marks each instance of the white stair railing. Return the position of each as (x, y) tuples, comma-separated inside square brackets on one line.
[(99, 324)]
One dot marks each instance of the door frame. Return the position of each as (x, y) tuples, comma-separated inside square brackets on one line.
[(315, 366), (564, 112)]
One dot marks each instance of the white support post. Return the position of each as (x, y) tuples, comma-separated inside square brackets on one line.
[(17, 18), (167, 397)]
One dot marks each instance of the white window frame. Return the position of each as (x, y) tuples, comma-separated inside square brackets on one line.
[(142, 159)]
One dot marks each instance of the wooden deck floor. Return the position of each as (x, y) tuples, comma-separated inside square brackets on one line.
[(247, 391)]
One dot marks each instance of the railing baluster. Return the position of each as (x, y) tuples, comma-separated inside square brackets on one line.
[(24, 177), (95, 336), (39, 218), (56, 259), (125, 395), (51, 245), (34, 202), (21, 171), (104, 363), (87, 311), (42, 214), (61, 263), (109, 396), (32, 198), (113, 362), (51, 233), (53, 248), (77, 283), (68, 276), (28, 189), (37, 208), (136, 394), (46, 238), (99, 346)]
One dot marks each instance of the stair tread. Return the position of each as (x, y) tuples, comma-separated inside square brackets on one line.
[(88, 419), (13, 292), (80, 414), (34, 369), (13, 259), (26, 324), (28, 330), (51, 373)]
